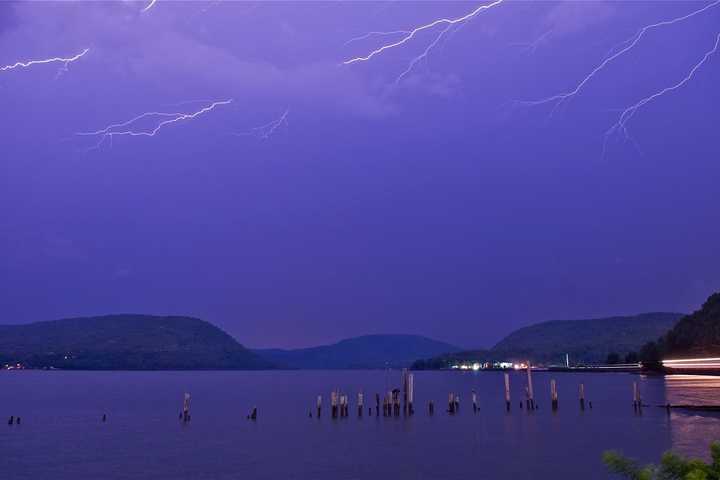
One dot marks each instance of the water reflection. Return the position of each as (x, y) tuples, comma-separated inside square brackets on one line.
[(692, 432)]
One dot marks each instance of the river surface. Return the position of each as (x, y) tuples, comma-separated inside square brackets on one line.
[(62, 437)]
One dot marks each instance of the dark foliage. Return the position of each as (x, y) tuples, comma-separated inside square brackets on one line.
[(613, 358), (697, 334), (672, 467)]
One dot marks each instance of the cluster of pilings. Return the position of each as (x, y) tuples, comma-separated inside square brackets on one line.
[(393, 403), (397, 402)]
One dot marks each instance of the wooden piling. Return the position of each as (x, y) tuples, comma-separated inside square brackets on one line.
[(411, 393), (318, 405), (104, 417), (360, 401), (530, 393), (404, 383), (334, 404), (582, 396), (474, 401), (507, 392), (11, 420), (553, 395), (451, 403), (186, 408), (377, 404), (431, 408), (253, 415), (637, 400), (396, 402)]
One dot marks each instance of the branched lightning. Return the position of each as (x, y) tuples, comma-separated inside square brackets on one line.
[(125, 128), (410, 34), (621, 125), (266, 131), (423, 55), (65, 61), (626, 45)]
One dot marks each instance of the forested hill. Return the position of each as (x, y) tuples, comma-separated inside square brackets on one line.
[(585, 341), (367, 351), (125, 342), (697, 334)]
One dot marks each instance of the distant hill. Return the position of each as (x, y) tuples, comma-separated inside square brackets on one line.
[(587, 341), (369, 351), (125, 342), (697, 334)]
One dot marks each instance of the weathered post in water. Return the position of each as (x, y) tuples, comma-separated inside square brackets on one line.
[(637, 399), (582, 397), (404, 381), (451, 403), (553, 395), (319, 405), (474, 401), (507, 392), (407, 387), (186, 408), (411, 393), (530, 393), (360, 401), (253, 415), (334, 404), (431, 408), (396, 402)]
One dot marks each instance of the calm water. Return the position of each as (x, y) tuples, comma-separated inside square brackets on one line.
[(61, 435)]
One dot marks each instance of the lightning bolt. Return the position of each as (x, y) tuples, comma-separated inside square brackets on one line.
[(408, 35), (423, 55), (149, 5), (126, 129), (376, 34), (266, 131), (531, 47), (629, 44), (629, 112), (63, 60)]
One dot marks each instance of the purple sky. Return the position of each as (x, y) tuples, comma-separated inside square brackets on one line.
[(436, 206)]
